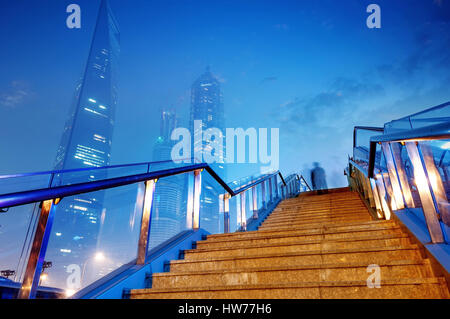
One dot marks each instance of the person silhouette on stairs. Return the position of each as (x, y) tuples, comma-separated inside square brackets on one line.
[(318, 179)]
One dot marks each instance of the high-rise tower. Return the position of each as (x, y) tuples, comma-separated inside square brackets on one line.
[(86, 142), (207, 106), (167, 214), (87, 136)]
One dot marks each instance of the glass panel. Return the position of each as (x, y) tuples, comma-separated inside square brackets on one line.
[(436, 115), (92, 235), (169, 208), (19, 183), (210, 218), (362, 144), (432, 116), (95, 174), (235, 210), (17, 226)]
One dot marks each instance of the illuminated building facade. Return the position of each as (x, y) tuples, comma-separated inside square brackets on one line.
[(207, 106), (168, 212), (86, 143)]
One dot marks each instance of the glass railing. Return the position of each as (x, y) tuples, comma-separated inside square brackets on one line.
[(408, 168), (65, 230), (431, 116)]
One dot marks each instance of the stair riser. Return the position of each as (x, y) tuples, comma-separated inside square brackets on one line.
[(269, 225), (211, 254), (305, 209), (293, 213), (420, 291), (373, 257), (302, 232), (287, 276), (321, 225), (284, 240), (300, 218), (316, 220)]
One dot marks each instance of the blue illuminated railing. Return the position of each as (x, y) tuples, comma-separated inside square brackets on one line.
[(69, 228), (407, 169)]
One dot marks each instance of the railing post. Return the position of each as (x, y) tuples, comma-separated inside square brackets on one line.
[(376, 197), (396, 190), (255, 203), (190, 200), (396, 152), (436, 183), (242, 219), (196, 201), (429, 210), (270, 189), (382, 192), (144, 235), (276, 186), (226, 213), (263, 194), (38, 249)]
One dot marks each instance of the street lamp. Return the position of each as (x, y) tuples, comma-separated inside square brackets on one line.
[(7, 273), (44, 276), (98, 257)]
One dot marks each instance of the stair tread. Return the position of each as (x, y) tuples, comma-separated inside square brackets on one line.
[(304, 253), (301, 242), (406, 262), (310, 227), (293, 234), (360, 283)]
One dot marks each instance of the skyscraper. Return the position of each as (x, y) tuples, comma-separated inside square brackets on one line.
[(86, 142), (207, 106), (167, 214), (87, 136)]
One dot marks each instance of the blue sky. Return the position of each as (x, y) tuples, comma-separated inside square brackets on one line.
[(311, 68)]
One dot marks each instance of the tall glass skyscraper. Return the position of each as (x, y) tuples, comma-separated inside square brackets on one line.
[(207, 106), (87, 136), (168, 211), (86, 142)]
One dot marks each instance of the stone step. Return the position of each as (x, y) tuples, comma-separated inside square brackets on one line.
[(407, 288), (282, 238), (281, 216), (316, 222), (288, 211), (375, 255), (288, 274), (308, 229), (294, 247), (319, 219)]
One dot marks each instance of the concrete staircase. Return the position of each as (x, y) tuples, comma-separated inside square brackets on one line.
[(312, 246)]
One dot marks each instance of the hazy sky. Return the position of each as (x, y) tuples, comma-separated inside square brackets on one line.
[(311, 68)]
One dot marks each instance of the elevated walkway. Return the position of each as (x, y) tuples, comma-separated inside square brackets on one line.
[(311, 246)]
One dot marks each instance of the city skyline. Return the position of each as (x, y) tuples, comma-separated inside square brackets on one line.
[(324, 71)]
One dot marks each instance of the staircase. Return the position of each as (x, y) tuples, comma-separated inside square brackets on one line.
[(312, 246)]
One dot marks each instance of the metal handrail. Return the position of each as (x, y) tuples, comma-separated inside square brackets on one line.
[(39, 195), (88, 169), (432, 132), (301, 177)]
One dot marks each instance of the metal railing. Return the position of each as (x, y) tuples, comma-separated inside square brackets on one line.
[(407, 169), (59, 188)]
